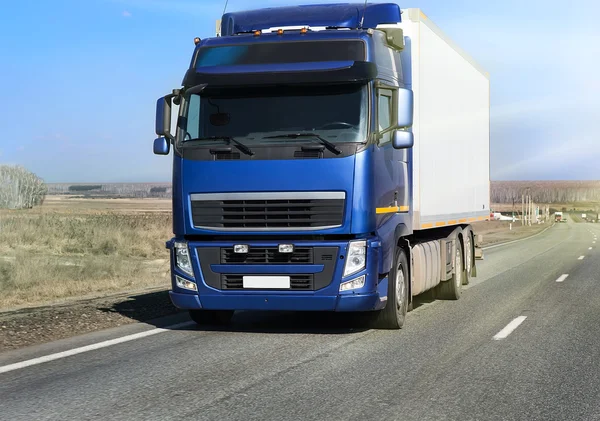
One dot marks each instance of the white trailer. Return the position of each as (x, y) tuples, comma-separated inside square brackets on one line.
[(451, 164)]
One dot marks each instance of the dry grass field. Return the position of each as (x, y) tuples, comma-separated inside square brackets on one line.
[(73, 247)]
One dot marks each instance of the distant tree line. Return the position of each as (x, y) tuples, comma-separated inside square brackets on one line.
[(83, 188), (113, 190), (546, 191), (20, 188)]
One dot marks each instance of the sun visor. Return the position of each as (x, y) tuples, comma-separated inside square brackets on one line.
[(282, 74)]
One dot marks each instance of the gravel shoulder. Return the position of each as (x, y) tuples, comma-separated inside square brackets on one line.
[(32, 326), (496, 232)]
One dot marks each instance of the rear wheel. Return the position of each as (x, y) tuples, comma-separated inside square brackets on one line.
[(211, 317), (394, 312), (469, 251), (452, 288)]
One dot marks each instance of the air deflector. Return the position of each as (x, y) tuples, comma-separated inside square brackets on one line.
[(320, 15)]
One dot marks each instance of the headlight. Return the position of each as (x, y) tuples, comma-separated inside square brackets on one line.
[(356, 258), (182, 259)]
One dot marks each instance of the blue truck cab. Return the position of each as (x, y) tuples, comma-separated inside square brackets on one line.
[(292, 165)]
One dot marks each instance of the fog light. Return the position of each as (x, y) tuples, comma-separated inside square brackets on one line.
[(286, 248), (240, 248), (356, 283), (185, 284)]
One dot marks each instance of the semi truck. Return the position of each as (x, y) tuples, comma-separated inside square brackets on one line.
[(326, 157)]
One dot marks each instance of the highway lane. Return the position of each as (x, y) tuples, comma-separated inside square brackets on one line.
[(445, 364)]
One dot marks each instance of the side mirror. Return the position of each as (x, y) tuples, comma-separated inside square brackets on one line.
[(405, 108), (161, 146), (395, 37), (402, 139), (163, 116)]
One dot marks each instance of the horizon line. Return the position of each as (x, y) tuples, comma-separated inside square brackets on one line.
[(170, 182)]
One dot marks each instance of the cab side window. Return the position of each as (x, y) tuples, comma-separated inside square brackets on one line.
[(384, 114)]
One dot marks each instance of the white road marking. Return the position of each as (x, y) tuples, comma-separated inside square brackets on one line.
[(509, 328), (562, 278), (589, 248), (92, 347), (581, 258)]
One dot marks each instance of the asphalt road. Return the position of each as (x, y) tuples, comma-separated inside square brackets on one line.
[(444, 365)]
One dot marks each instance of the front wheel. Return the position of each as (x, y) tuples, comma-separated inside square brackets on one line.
[(211, 317), (394, 312)]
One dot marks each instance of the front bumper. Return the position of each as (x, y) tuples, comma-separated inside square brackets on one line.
[(354, 302), (324, 296)]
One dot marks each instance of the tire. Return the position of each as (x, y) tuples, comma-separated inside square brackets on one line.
[(211, 317), (394, 313), (469, 253), (452, 288)]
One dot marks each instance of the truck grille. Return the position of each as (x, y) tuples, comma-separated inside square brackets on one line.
[(247, 214), (302, 282), (267, 255)]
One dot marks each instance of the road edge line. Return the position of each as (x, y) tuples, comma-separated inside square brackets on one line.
[(91, 347)]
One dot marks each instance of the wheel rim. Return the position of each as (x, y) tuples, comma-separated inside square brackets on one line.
[(458, 267), (400, 288), (469, 254)]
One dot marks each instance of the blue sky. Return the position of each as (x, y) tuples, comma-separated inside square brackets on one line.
[(79, 81)]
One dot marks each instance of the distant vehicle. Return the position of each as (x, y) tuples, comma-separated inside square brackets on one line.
[(304, 176), (497, 216), (558, 217)]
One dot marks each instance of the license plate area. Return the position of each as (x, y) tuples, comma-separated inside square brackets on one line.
[(266, 282)]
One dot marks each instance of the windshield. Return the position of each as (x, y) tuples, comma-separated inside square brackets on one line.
[(337, 114)]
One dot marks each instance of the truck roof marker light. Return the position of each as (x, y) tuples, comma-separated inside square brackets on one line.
[(197, 41), (303, 30), (280, 32), (257, 33)]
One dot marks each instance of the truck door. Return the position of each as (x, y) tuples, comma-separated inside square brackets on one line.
[(391, 165)]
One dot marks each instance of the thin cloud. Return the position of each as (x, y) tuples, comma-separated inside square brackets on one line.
[(126, 14)]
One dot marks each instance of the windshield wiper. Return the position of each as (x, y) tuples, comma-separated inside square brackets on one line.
[(245, 149), (327, 143)]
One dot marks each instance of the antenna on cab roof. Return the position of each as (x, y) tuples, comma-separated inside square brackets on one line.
[(362, 19), (219, 20), (225, 8)]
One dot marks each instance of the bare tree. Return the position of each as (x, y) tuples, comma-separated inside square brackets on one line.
[(546, 191), (20, 188)]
